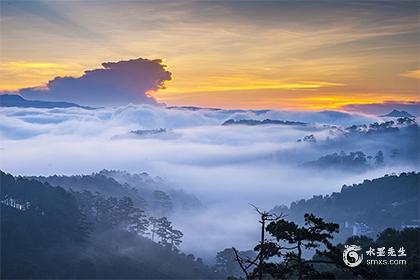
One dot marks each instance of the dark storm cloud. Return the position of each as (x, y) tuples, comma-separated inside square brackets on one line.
[(118, 83)]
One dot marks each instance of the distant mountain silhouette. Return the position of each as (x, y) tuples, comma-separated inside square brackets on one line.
[(398, 114), (193, 108), (264, 122), (11, 100), (146, 132)]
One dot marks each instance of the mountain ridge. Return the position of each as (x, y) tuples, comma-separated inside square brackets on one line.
[(14, 100), (398, 114), (365, 208), (251, 122)]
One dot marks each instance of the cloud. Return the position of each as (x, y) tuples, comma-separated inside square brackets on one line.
[(414, 74), (117, 83), (21, 123)]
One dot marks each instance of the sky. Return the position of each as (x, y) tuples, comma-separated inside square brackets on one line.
[(304, 55)]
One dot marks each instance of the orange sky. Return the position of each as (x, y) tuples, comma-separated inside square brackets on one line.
[(294, 55)]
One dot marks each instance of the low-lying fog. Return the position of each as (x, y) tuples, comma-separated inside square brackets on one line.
[(226, 167)]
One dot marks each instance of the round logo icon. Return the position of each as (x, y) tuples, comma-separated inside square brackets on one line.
[(351, 257)]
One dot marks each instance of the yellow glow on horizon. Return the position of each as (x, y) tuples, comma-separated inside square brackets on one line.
[(303, 99), (15, 75), (336, 102), (254, 86)]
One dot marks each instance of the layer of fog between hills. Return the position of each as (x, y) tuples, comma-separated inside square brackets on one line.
[(226, 167)]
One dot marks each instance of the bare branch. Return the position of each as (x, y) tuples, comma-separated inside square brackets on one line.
[(240, 262), (256, 209), (279, 216), (253, 262)]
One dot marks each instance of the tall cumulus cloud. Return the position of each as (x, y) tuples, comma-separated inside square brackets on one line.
[(117, 83)]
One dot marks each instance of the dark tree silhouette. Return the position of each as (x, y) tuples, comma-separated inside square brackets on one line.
[(312, 235), (262, 248), (109, 212), (169, 237), (282, 245), (226, 261)]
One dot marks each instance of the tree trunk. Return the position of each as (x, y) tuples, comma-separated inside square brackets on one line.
[(262, 247), (300, 268)]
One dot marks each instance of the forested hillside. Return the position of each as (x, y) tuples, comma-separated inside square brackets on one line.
[(153, 195), (367, 208), (48, 232)]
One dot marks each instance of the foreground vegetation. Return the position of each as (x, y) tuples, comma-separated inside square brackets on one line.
[(51, 232), (48, 232)]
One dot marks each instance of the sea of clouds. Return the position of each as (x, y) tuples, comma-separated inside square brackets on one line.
[(226, 167)]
